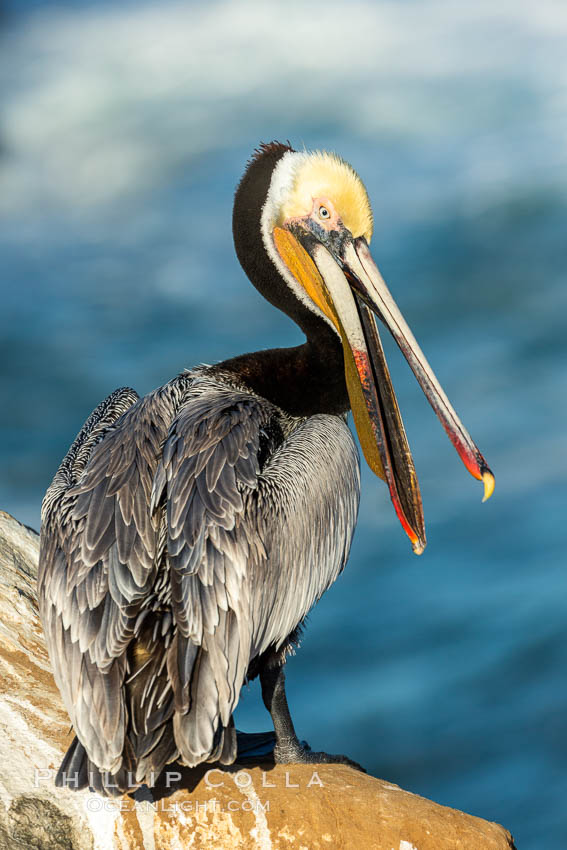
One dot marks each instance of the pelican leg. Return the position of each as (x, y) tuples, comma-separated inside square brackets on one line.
[(288, 749)]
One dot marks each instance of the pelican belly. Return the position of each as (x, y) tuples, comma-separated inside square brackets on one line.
[(308, 497)]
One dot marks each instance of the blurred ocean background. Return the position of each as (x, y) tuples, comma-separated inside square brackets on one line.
[(124, 129)]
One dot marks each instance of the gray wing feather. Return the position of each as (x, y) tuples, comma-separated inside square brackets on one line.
[(208, 471), (247, 553), (98, 560)]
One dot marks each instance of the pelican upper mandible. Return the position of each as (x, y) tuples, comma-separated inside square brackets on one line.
[(187, 534)]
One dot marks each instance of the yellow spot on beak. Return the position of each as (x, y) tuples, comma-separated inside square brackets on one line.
[(488, 481)]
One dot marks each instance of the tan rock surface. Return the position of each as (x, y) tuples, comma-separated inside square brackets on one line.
[(301, 807)]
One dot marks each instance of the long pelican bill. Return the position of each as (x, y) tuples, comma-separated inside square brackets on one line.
[(370, 285), (347, 287)]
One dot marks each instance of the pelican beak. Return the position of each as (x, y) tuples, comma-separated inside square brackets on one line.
[(345, 283)]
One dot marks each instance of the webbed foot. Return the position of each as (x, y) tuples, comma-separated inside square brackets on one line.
[(290, 751)]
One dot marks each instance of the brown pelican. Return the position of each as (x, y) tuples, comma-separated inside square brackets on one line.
[(187, 534)]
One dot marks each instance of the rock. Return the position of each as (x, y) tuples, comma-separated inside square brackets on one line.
[(298, 807)]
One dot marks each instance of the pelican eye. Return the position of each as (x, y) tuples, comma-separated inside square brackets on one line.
[(324, 213)]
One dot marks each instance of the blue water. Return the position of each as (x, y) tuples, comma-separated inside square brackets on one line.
[(124, 129)]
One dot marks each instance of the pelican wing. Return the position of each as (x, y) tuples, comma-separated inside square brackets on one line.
[(97, 562), (207, 480), (194, 504), (251, 544)]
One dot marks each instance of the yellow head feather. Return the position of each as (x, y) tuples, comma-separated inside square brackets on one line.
[(326, 175)]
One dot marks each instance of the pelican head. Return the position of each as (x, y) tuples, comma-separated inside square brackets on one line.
[(315, 222)]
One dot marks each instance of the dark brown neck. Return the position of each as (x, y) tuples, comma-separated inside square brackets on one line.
[(303, 380)]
